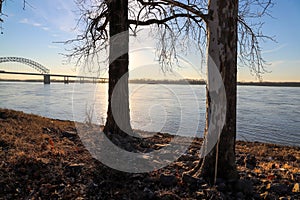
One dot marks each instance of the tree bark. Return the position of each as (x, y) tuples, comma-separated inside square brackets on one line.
[(118, 66), (222, 49)]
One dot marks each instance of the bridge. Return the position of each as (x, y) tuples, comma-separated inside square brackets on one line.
[(45, 72), (38, 67)]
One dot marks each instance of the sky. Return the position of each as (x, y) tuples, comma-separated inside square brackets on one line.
[(33, 33)]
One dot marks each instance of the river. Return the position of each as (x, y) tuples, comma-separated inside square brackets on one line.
[(265, 114)]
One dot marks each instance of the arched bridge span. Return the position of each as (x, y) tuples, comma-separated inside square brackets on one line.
[(37, 66)]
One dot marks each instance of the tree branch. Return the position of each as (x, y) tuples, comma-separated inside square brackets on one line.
[(189, 8), (162, 21)]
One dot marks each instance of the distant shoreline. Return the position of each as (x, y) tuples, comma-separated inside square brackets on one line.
[(274, 84), (178, 82)]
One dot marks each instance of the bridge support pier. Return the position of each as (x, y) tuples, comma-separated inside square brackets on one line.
[(46, 79), (66, 79)]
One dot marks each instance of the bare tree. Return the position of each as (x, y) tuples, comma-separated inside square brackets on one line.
[(1, 11), (226, 22), (1, 2), (118, 67), (101, 16), (215, 23)]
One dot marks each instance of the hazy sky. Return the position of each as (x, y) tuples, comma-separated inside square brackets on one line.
[(32, 33)]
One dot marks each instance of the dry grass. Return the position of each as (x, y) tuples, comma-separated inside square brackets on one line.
[(39, 159)]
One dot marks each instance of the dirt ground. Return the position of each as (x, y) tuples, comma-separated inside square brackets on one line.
[(43, 158)]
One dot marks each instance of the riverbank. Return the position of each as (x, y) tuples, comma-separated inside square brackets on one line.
[(42, 157)]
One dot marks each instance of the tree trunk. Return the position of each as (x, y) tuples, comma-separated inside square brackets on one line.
[(222, 50), (118, 68)]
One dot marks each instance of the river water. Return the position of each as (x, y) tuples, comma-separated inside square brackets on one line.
[(266, 114)]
